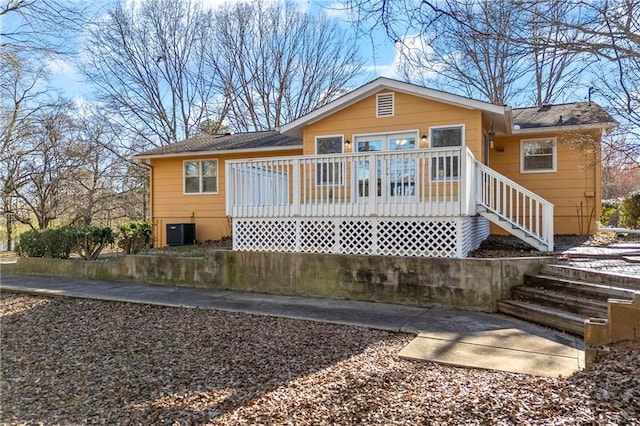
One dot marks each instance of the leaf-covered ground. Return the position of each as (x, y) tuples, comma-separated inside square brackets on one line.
[(71, 361)]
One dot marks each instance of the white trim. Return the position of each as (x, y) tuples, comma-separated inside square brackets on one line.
[(200, 192), (393, 104), (554, 154), (221, 152), (380, 84)]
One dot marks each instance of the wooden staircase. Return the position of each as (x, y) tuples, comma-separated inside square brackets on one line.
[(513, 208), (562, 297)]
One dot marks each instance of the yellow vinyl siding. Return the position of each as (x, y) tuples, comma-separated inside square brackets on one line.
[(411, 113), (207, 211), (574, 189)]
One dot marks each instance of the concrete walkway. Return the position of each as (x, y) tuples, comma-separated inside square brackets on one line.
[(470, 339), (618, 259)]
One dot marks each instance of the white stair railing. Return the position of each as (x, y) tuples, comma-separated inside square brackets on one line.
[(514, 208)]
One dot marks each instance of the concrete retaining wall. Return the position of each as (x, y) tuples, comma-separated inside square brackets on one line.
[(474, 284)]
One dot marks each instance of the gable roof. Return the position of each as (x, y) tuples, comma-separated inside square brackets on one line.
[(294, 128), (225, 143), (561, 117)]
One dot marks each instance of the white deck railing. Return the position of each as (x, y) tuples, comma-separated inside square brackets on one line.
[(514, 205), (431, 182), (436, 183)]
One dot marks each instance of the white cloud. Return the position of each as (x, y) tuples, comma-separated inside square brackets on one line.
[(58, 66), (337, 10), (409, 52), (66, 78)]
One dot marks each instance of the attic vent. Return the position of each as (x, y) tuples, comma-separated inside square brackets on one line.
[(384, 105)]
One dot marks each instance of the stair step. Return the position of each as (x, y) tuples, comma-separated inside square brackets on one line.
[(593, 276), (600, 292), (550, 317), (513, 228), (561, 300)]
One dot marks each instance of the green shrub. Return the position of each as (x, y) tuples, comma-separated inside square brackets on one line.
[(610, 215), (30, 244), (89, 241), (57, 244), (52, 243), (135, 236), (630, 211)]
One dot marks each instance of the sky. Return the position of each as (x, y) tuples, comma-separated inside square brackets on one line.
[(378, 51)]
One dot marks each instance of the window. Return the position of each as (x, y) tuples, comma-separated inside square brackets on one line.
[(442, 137), (538, 155), (447, 165), (201, 177), (329, 172)]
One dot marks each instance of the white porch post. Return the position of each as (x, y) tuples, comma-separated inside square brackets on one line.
[(373, 185), (462, 196), (547, 217), (295, 209)]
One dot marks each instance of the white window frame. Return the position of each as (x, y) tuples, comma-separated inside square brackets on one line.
[(463, 142), (554, 167), (342, 170), (200, 192)]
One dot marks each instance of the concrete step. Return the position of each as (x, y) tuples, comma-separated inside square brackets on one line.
[(550, 317), (589, 290), (576, 304), (592, 276)]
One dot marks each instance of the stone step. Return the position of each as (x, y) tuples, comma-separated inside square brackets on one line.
[(550, 317), (576, 304), (590, 290), (592, 276)]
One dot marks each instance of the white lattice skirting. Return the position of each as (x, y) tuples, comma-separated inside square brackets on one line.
[(433, 237)]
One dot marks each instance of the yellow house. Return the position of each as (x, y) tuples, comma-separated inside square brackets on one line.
[(390, 168)]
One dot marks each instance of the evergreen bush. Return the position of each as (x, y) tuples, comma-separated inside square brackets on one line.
[(610, 215), (89, 241), (135, 236), (630, 211), (53, 243)]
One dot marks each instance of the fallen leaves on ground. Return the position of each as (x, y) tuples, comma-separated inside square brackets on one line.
[(72, 361)]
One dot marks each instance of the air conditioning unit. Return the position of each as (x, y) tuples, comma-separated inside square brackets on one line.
[(179, 234)]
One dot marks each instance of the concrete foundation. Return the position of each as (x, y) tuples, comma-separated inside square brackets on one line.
[(472, 284), (622, 324)]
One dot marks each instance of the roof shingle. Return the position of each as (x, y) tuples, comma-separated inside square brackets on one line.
[(573, 114), (226, 142)]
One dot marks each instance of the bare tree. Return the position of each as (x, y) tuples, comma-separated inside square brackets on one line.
[(49, 159), (609, 31), (473, 54), (555, 70), (146, 62), (45, 26), (620, 174), (275, 63), (23, 94)]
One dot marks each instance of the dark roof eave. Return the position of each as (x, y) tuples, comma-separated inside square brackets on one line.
[(215, 152)]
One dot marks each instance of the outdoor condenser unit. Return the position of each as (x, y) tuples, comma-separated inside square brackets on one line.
[(181, 233)]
